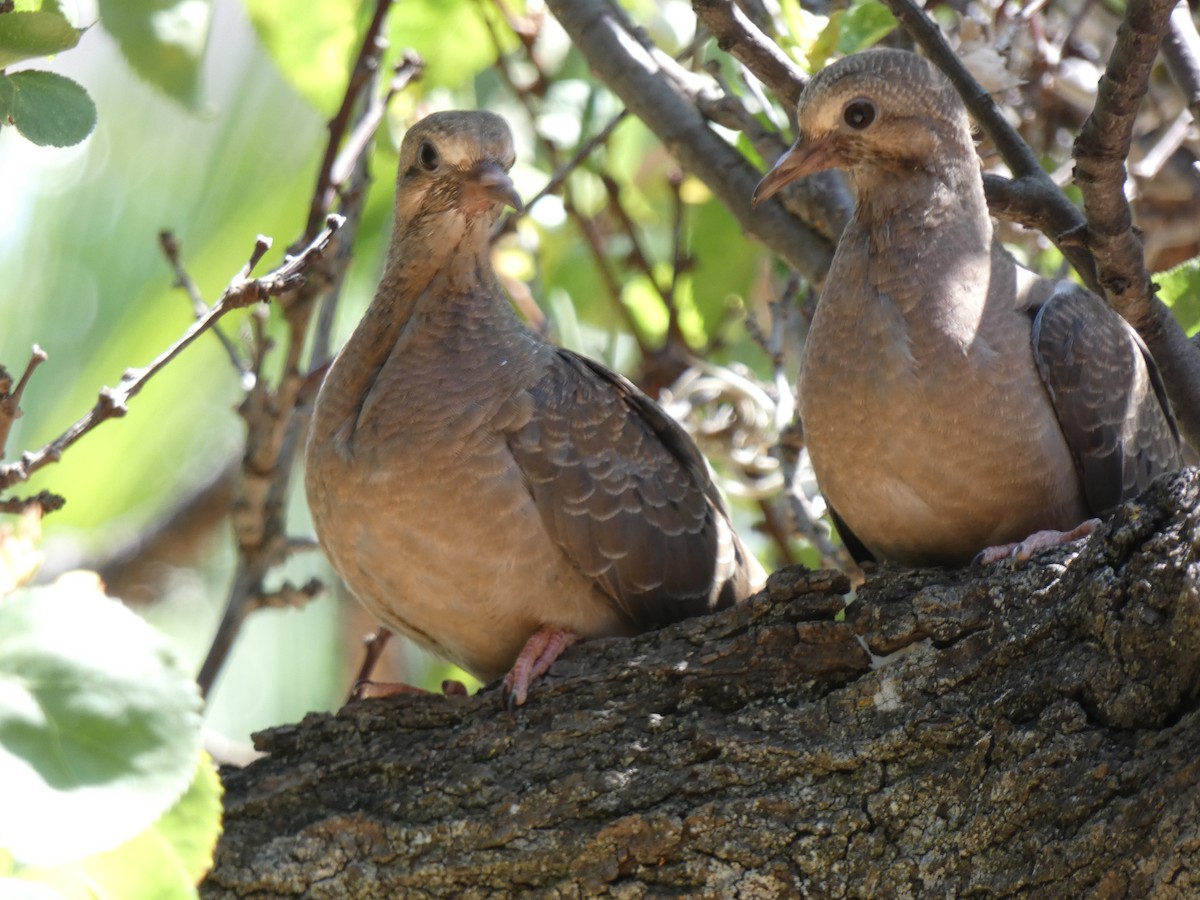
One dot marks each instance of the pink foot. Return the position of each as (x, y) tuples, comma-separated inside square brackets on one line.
[(1036, 542), (540, 651)]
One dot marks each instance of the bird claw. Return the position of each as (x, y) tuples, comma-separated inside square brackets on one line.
[(1020, 551), (537, 656)]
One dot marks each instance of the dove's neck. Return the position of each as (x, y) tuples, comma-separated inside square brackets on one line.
[(437, 300), (931, 225)]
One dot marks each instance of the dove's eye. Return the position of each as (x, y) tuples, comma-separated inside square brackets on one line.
[(427, 155), (859, 113)]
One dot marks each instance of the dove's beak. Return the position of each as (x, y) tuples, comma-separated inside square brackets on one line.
[(491, 183), (804, 158)]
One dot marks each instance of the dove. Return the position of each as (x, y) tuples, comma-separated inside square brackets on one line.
[(488, 494), (954, 403)]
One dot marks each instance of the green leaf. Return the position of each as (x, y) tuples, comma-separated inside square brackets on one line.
[(47, 108), (1179, 288), (455, 55), (165, 861), (99, 723), (864, 25), (163, 40), (191, 827), (27, 35), (312, 49)]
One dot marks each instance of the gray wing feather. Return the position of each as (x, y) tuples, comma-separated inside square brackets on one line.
[(1107, 393), (624, 491)]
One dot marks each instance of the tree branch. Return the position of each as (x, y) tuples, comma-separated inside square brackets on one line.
[(743, 40), (275, 418), (10, 397), (1005, 730), (668, 101), (1100, 153), (113, 402), (1181, 50)]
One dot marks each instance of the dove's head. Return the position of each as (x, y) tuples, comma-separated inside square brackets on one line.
[(453, 180), (877, 114)]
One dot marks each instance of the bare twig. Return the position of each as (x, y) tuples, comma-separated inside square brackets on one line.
[(274, 419), (113, 402), (45, 500), (561, 172), (10, 401), (171, 249), (366, 63), (527, 94)]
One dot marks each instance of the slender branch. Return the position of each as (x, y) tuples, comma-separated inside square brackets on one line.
[(275, 419), (113, 402), (744, 41), (45, 500), (10, 401), (668, 102), (366, 63), (408, 70), (509, 222), (586, 225), (1102, 148), (171, 249), (1100, 153), (349, 178), (1181, 50)]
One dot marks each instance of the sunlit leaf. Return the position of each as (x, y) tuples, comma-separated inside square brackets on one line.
[(99, 724), (865, 23), (804, 30), (27, 35), (312, 49), (164, 862), (48, 109), (192, 825), (163, 40), (1179, 288), (453, 54)]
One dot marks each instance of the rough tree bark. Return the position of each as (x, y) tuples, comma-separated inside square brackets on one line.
[(1026, 730)]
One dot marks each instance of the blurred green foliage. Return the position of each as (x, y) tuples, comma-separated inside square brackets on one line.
[(106, 791), (1179, 288)]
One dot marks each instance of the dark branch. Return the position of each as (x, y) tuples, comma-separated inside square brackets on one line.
[(744, 41), (1181, 50), (668, 100)]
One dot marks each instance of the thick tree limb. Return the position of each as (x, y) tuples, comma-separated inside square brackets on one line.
[(1027, 730), (668, 100), (1100, 153)]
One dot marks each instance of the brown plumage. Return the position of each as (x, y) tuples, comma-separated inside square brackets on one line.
[(951, 399), (488, 494)]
